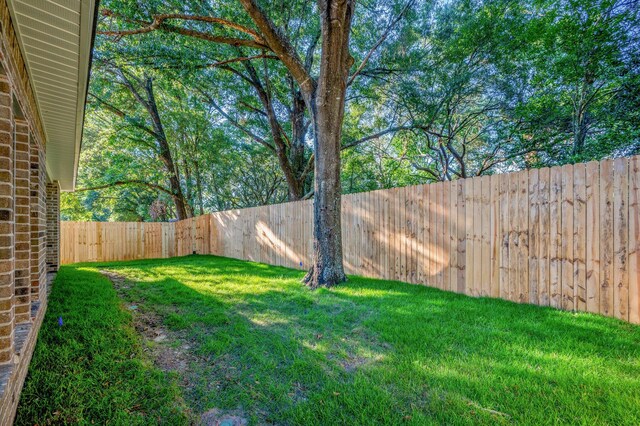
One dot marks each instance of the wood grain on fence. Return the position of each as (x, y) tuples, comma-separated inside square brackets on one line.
[(566, 237)]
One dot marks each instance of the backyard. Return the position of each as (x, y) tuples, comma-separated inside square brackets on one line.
[(252, 212), (216, 340)]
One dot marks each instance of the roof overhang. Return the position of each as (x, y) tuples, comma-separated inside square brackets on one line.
[(56, 38)]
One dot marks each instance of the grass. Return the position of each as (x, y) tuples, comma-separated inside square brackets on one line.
[(252, 341), (92, 368)]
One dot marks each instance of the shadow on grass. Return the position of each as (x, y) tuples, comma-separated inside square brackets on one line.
[(373, 351)]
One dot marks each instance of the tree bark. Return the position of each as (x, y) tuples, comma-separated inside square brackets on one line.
[(196, 164), (325, 102), (165, 151), (297, 149), (580, 129), (327, 111)]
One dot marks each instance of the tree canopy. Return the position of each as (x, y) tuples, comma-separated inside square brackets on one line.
[(190, 111)]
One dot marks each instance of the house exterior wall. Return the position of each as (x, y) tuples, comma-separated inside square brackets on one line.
[(7, 223), (53, 226), (29, 221), (38, 196), (22, 216)]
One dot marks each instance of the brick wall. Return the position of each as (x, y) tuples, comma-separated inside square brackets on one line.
[(23, 233), (38, 218), (7, 228), (22, 253), (53, 226), (25, 256)]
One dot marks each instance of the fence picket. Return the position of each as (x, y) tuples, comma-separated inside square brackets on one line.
[(579, 237), (606, 237), (620, 235), (634, 240), (555, 237)]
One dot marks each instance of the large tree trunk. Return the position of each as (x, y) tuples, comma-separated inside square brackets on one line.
[(298, 133), (325, 103), (280, 145), (327, 268), (199, 186), (165, 152), (327, 111), (178, 198), (580, 130)]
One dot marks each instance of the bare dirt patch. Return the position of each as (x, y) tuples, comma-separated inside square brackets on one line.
[(352, 363), (164, 347), (172, 359), (217, 417), (172, 352)]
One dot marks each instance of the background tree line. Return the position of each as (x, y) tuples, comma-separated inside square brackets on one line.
[(179, 124)]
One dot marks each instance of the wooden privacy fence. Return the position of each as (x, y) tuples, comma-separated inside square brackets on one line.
[(566, 237), (107, 241)]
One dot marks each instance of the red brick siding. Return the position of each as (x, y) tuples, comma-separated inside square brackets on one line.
[(53, 226), (38, 218), (23, 220), (6, 222), (22, 212)]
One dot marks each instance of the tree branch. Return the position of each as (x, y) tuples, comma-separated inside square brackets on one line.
[(158, 23), (379, 134), (229, 61), (124, 116), (127, 182), (381, 40), (239, 126), (280, 46)]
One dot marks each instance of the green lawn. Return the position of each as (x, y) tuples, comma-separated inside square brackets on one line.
[(249, 340)]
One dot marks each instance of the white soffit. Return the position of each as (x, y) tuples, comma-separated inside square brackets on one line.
[(56, 38)]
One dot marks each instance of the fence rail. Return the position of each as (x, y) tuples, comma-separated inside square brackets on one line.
[(566, 237)]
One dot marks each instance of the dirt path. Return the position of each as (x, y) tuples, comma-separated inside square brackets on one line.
[(170, 352)]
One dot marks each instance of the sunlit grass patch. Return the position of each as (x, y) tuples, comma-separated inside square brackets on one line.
[(370, 351), (93, 368)]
